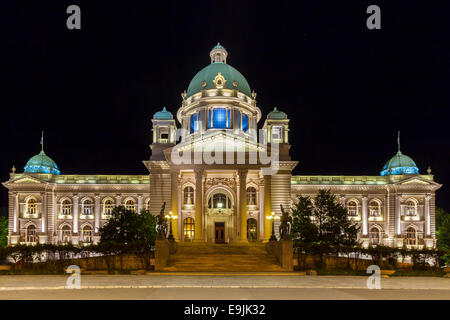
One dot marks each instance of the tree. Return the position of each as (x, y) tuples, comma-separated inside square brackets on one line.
[(325, 221), (126, 226), (443, 232), (3, 232)]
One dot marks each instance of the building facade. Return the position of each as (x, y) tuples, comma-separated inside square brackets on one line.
[(220, 176)]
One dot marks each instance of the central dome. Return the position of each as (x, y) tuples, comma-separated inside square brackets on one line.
[(205, 77), (400, 164), (41, 163)]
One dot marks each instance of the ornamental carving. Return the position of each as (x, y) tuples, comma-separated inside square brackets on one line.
[(230, 182)]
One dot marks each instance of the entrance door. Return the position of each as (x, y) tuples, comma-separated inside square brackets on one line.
[(219, 232), (252, 234)]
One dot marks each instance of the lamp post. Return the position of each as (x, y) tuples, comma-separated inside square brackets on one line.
[(171, 217), (273, 217)]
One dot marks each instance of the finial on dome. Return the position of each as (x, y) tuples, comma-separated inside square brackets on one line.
[(218, 54), (13, 170), (429, 170)]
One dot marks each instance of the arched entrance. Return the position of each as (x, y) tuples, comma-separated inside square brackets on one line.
[(252, 230), (219, 216)]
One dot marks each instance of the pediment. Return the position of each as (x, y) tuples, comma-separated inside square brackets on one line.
[(415, 181), (27, 179)]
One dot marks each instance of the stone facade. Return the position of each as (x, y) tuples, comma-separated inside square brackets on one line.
[(217, 196)]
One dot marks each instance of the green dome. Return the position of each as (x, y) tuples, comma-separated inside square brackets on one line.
[(276, 115), (400, 164), (163, 115), (210, 72), (41, 163)]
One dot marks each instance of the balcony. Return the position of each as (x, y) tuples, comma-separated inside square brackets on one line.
[(31, 215)]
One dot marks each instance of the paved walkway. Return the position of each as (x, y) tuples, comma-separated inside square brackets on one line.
[(232, 281)]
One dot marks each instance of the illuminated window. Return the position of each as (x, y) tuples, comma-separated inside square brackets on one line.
[(411, 237), (31, 206), (66, 207), (277, 133), (87, 206), (108, 207), (352, 208), (220, 201), (244, 122), (87, 234), (374, 236), (251, 196), (129, 205), (31, 233), (188, 228), (374, 209), (410, 208), (65, 234), (220, 118), (194, 123), (188, 196)]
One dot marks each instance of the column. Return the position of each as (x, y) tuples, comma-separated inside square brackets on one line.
[(180, 216), (398, 215), (139, 204), (427, 215), (198, 205), (118, 200), (97, 213), (44, 213), (75, 213), (243, 203), (16, 211), (365, 225), (267, 207), (342, 198), (174, 202), (261, 219)]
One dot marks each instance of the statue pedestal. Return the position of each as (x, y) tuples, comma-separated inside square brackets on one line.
[(285, 254), (162, 252)]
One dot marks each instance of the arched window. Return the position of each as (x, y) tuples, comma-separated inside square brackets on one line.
[(31, 233), (352, 208), (87, 234), (66, 207), (251, 196), (244, 122), (87, 206), (410, 208), (220, 201), (31, 206), (188, 228), (374, 236), (129, 205), (188, 196), (65, 234), (108, 207), (374, 209), (194, 123), (411, 236)]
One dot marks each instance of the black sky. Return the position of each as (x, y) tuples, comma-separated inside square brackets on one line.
[(347, 89)]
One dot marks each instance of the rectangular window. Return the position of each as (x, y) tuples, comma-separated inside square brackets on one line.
[(244, 122), (194, 123), (220, 118)]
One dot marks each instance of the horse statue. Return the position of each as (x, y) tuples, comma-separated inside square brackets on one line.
[(285, 224), (161, 223)]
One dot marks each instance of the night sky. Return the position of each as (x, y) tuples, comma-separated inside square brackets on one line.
[(346, 89)]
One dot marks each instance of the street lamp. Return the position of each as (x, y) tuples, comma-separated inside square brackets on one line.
[(171, 217), (273, 217)]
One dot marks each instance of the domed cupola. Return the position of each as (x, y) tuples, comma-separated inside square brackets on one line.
[(41, 163), (277, 115), (218, 75), (163, 115), (399, 164)]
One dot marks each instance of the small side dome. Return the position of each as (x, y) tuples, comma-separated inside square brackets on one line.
[(41, 163), (277, 115), (163, 115), (400, 164)]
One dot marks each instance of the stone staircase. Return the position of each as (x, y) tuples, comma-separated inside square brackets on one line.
[(204, 257)]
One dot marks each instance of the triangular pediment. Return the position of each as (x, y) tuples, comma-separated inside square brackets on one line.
[(27, 179), (415, 181)]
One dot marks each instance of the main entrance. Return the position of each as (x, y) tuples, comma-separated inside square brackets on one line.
[(219, 231)]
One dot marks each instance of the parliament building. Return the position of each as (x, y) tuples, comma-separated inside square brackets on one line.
[(218, 200)]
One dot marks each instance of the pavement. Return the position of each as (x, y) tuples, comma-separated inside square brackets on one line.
[(221, 286)]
